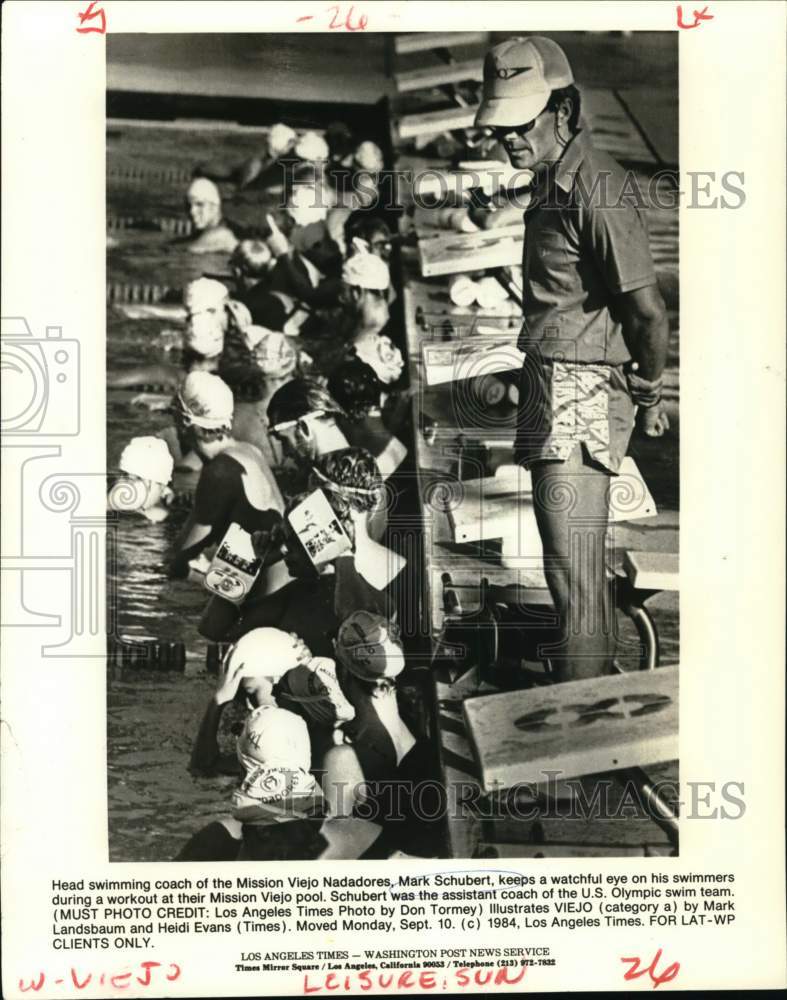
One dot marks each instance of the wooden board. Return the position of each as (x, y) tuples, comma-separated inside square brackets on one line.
[(434, 122), (576, 728), (652, 570), (438, 76), (424, 41), (450, 253)]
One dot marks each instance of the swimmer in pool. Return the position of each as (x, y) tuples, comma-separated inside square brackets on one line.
[(207, 320), (146, 466), (211, 234)]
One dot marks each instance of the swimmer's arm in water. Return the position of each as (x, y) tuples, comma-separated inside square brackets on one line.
[(206, 755), (206, 758), (217, 487), (168, 376), (192, 542)]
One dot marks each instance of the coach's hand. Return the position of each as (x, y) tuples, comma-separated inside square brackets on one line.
[(653, 420)]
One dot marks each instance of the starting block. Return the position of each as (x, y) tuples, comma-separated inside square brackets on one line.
[(576, 728)]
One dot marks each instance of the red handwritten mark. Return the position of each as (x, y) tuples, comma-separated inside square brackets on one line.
[(347, 24), (306, 17), (699, 16), (90, 15), (119, 980), (634, 972), (31, 985), (76, 982)]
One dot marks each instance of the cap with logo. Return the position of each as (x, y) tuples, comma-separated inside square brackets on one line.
[(519, 76), (206, 401), (368, 645)]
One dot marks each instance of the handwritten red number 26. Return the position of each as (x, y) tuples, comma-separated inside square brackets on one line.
[(347, 24), (634, 971)]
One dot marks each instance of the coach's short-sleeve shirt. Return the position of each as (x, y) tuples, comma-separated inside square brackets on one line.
[(586, 242)]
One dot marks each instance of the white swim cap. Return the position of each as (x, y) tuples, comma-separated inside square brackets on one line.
[(275, 751), (312, 147), (381, 354), (280, 139), (366, 270), (268, 652), (202, 189), (206, 401), (204, 293), (274, 352), (148, 458), (369, 156), (307, 204)]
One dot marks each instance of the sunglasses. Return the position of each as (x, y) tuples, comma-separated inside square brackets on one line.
[(501, 132)]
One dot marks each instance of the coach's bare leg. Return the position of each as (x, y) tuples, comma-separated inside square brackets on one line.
[(572, 508)]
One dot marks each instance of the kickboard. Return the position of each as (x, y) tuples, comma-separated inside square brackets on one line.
[(577, 728)]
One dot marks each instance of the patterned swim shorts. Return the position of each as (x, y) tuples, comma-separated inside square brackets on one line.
[(562, 404)]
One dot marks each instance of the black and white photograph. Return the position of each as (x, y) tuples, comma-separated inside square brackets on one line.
[(393, 496), (435, 278)]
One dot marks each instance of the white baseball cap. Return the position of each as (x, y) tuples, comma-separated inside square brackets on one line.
[(148, 458), (519, 76), (366, 270)]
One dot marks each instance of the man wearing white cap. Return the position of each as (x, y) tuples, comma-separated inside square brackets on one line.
[(147, 466), (235, 485), (594, 334), (210, 233)]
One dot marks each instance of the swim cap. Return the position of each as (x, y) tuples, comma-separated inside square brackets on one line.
[(307, 204), (369, 156), (202, 189), (381, 354), (206, 401), (315, 687), (239, 315), (280, 139), (202, 294), (276, 355), (366, 270), (311, 146), (275, 752), (268, 652), (205, 338), (148, 458), (368, 645)]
